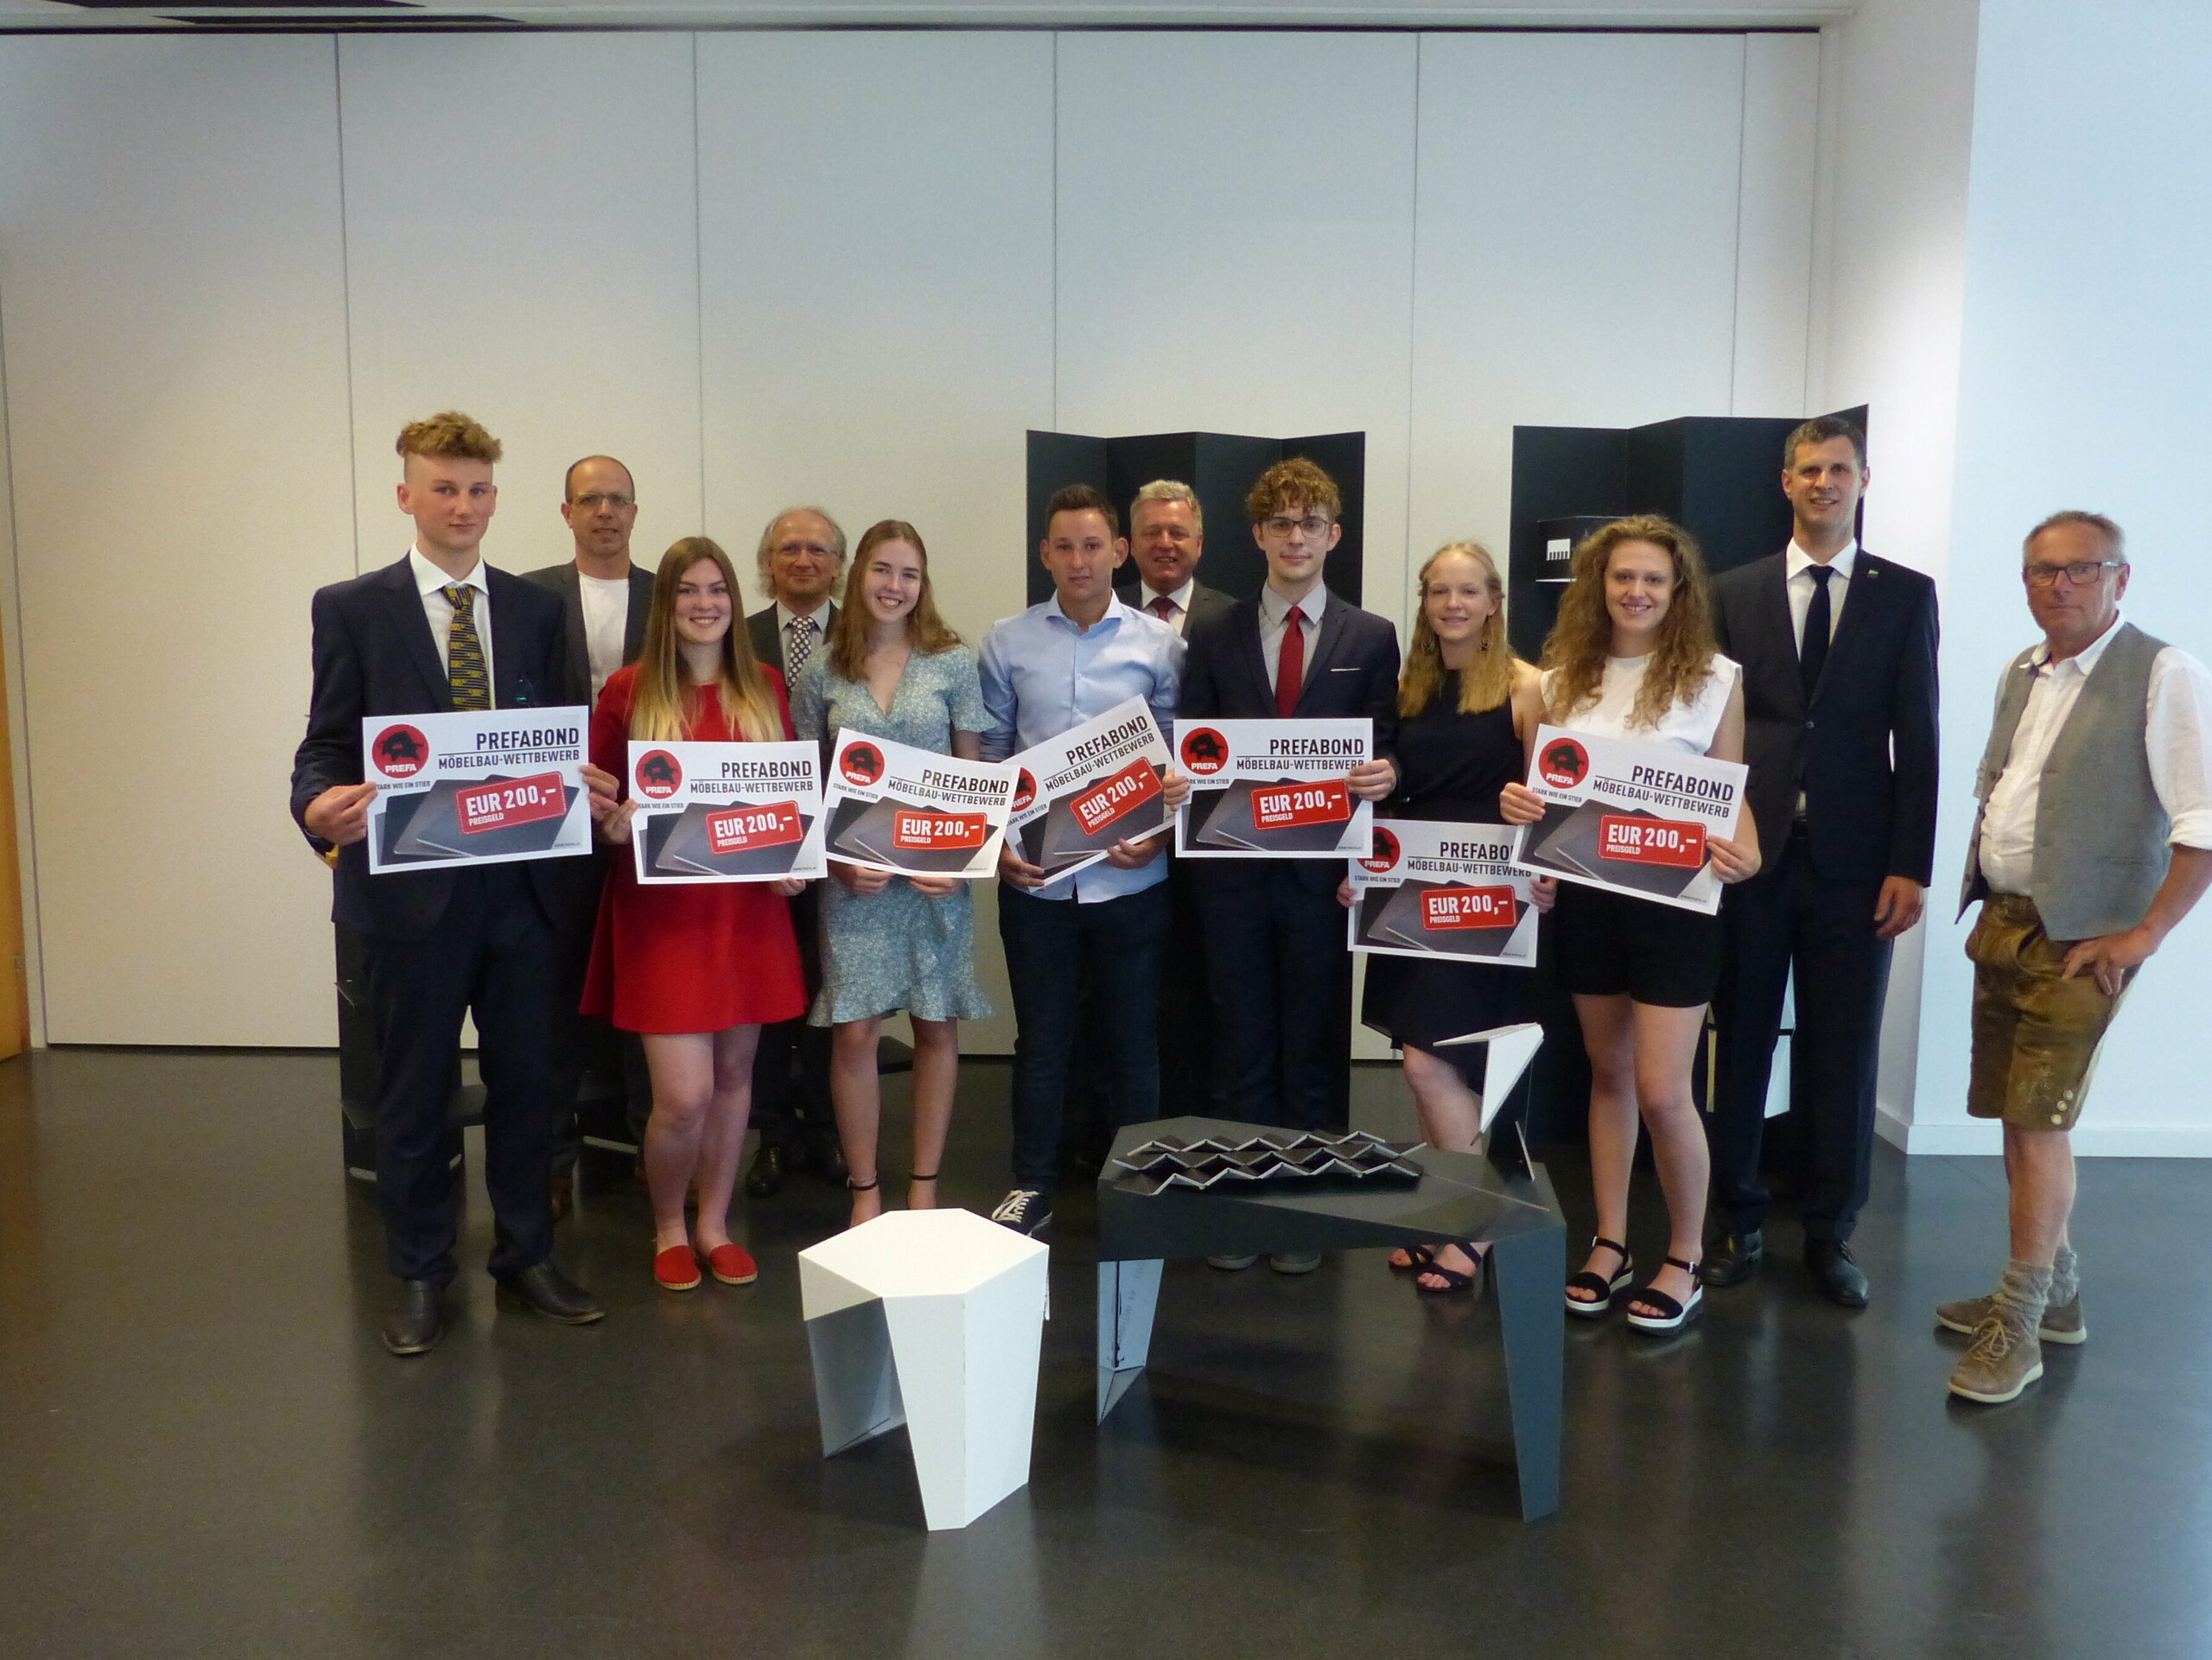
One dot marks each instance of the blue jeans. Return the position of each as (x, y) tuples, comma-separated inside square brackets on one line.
[(1049, 944)]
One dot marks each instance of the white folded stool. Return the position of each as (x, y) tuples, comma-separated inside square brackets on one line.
[(932, 1318)]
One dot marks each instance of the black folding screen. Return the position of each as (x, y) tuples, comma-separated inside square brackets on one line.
[(1221, 467)]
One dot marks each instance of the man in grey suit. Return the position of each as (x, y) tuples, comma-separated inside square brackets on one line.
[(605, 598), (1167, 537), (802, 561)]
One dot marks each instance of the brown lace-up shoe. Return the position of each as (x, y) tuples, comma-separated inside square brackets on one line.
[(2005, 1359), (2059, 1325)]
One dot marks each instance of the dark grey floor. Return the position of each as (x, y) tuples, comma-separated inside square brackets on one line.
[(204, 1451)]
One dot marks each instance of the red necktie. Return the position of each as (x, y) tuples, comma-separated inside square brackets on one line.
[(1290, 667), (1163, 609)]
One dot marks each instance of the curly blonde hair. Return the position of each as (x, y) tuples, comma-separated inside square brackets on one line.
[(1680, 662)]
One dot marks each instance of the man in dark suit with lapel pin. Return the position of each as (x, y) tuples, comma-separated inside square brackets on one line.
[(1839, 656), (605, 599), (440, 630), (1167, 537), (802, 561), (1281, 976)]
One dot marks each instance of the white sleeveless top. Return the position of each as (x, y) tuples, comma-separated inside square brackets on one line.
[(1688, 727)]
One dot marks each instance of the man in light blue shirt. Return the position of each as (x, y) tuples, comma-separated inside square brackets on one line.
[(1049, 669)]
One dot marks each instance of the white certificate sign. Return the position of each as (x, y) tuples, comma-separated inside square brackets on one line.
[(914, 812), (1273, 789), (1629, 818), (727, 812), (1443, 890), (484, 787), (1097, 783)]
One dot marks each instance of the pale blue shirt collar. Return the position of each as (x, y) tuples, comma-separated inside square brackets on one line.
[(1114, 612)]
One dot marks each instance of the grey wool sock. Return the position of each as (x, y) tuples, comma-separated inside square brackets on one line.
[(2065, 1283), (2026, 1287)]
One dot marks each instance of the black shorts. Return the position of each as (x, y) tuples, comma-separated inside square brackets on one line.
[(1608, 944)]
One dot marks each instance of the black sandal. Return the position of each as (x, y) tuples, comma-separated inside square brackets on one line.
[(1417, 1259), (930, 1177), (1453, 1279), (868, 1186), (1672, 1315), (1602, 1290)]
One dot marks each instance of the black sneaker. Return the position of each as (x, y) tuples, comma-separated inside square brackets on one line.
[(1025, 1210)]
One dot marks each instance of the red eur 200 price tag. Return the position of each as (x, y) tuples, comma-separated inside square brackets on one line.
[(510, 802), (1650, 841), (740, 829), (1109, 799), (914, 831), (1443, 908), (1290, 805)]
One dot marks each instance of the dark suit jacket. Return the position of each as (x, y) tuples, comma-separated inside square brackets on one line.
[(1352, 671), (761, 626), (1208, 606), (374, 655), (1863, 753), (563, 580)]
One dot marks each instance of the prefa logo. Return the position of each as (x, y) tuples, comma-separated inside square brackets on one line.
[(1384, 859), (1564, 764), (660, 775), (1024, 791), (862, 764), (1204, 750), (400, 751)]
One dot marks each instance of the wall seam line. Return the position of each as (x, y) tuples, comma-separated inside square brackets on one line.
[(1056, 230), (1736, 286), (27, 830), (346, 301), (1413, 301), (699, 280)]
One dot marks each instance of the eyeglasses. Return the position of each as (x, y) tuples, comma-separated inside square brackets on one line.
[(793, 550), (2079, 574), (599, 499), (1313, 525)]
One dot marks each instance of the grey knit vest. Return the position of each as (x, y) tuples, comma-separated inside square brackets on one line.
[(2101, 834)]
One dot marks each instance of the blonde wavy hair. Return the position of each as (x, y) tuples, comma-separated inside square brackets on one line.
[(1490, 681), (748, 704), (1681, 660), (926, 631)]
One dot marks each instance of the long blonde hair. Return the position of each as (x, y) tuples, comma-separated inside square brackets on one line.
[(925, 629), (1681, 660), (658, 714), (1489, 681)]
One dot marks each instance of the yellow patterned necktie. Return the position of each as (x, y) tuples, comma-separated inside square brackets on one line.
[(471, 687)]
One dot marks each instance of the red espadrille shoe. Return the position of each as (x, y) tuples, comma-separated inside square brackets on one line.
[(733, 1265), (676, 1268)]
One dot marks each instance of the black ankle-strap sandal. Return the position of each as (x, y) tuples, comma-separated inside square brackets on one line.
[(1601, 1289), (868, 1186), (1453, 1278), (1672, 1315), (930, 1177)]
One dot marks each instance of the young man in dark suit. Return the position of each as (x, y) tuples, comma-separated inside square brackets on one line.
[(802, 562), (440, 630), (1839, 656), (605, 599), (1167, 537), (1281, 976)]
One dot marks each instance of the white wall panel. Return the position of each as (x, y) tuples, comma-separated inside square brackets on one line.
[(1577, 255), (521, 243), (172, 289), (876, 224), (1234, 247), (1774, 232)]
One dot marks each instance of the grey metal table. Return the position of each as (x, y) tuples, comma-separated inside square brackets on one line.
[(1459, 1196)]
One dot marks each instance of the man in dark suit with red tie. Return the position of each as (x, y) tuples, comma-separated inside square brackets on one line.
[(1276, 956), (440, 630), (1839, 656)]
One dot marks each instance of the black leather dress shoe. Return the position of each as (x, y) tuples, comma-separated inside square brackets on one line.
[(1836, 1272), (552, 1294), (1731, 1258), (765, 1179), (415, 1324), (829, 1160)]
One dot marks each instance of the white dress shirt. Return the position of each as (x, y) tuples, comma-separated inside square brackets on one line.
[(606, 623), (1275, 615), (820, 615), (2177, 739), (1799, 586), (1178, 597), (431, 583)]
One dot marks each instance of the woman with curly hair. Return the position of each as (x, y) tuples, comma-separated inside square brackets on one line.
[(1632, 657)]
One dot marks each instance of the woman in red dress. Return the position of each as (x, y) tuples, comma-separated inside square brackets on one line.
[(696, 969)]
